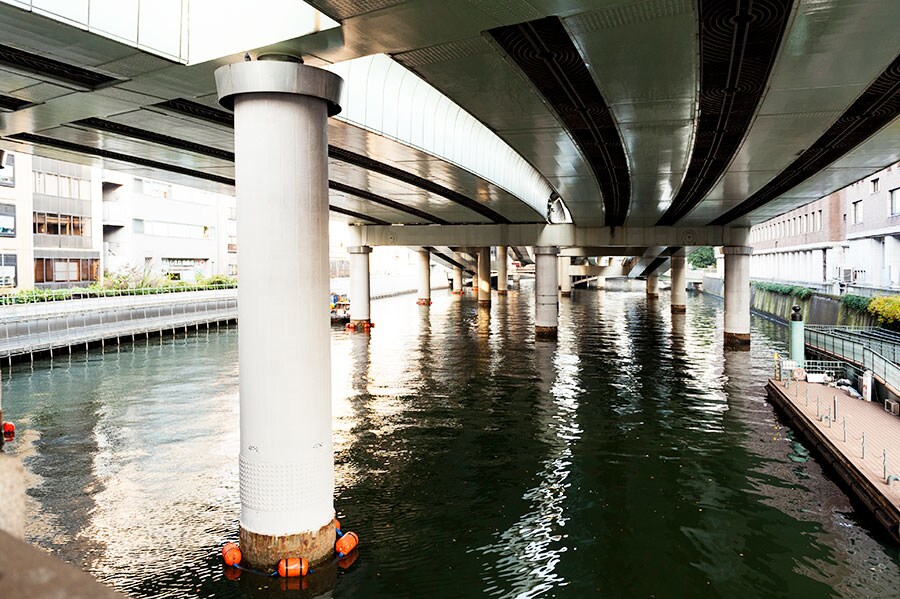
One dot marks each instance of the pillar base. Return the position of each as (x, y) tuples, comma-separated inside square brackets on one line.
[(263, 552), (501, 292), (458, 291), (484, 303), (566, 293), (676, 309), (653, 296), (423, 301), (544, 332), (739, 341), (360, 325)]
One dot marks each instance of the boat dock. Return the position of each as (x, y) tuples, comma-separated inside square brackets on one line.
[(859, 439)]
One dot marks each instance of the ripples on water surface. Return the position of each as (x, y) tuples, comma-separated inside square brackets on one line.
[(631, 458)]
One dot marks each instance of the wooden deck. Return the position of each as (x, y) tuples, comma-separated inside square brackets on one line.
[(808, 407)]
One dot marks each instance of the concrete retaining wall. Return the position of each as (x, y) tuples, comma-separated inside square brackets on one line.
[(817, 309)]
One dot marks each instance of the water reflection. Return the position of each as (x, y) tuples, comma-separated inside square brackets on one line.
[(470, 458)]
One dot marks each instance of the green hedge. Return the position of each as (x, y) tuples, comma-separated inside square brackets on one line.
[(31, 296), (860, 303), (792, 290)]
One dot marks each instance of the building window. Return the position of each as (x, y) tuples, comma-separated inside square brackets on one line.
[(895, 201), (875, 185), (61, 224), (819, 220), (857, 212), (7, 172), (66, 270)]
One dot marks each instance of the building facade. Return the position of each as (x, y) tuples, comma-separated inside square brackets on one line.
[(165, 230), (64, 224), (846, 242)]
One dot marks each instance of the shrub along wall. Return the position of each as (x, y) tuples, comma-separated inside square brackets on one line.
[(776, 300)]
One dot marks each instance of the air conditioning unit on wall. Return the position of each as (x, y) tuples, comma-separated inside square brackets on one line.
[(892, 406)]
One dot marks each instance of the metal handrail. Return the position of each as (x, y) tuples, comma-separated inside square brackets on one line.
[(856, 352), (79, 294)]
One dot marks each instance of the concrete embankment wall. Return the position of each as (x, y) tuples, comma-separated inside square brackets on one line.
[(819, 308), (31, 328)]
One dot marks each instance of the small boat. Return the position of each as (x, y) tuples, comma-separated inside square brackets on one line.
[(340, 309)]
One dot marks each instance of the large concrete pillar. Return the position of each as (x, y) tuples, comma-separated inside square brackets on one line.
[(424, 278), (652, 283), (502, 283), (281, 171), (565, 279), (457, 280), (737, 297), (360, 294), (678, 296), (484, 277), (601, 282), (546, 302)]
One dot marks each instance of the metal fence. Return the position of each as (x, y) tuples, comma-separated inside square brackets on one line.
[(858, 351), (29, 328)]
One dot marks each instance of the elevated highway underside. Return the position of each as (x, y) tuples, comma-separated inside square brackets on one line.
[(582, 129)]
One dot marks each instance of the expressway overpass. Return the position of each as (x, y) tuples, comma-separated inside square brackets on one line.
[(587, 128)]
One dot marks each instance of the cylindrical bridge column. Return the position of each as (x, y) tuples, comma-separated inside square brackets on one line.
[(484, 277), (360, 295), (565, 279), (502, 283), (281, 171), (424, 278), (546, 302), (737, 297), (652, 283), (678, 297), (457, 280)]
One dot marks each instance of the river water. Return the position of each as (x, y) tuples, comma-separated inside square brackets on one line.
[(633, 457)]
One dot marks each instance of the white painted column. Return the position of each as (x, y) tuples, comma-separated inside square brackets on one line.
[(601, 282), (678, 297), (546, 302), (360, 293), (424, 278), (652, 283), (502, 283), (281, 171), (484, 277), (565, 279), (457, 280), (737, 297)]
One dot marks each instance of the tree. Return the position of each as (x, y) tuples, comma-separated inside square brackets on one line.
[(702, 257)]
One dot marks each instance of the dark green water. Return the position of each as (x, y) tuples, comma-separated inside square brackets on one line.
[(632, 458)]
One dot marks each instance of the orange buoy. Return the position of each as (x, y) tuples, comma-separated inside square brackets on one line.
[(346, 543), (347, 561), (231, 553), (293, 566), (9, 428)]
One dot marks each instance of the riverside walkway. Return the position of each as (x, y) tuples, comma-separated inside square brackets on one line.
[(27, 329), (859, 439)]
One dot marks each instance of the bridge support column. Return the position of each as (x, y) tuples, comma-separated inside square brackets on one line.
[(484, 277), (546, 302), (281, 170), (424, 278), (565, 279), (360, 295), (601, 282), (737, 297), (502, 283), (678, 299), (457, 280), (652, 283)]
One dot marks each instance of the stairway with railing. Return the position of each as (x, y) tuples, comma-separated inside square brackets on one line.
[(867, 348)]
